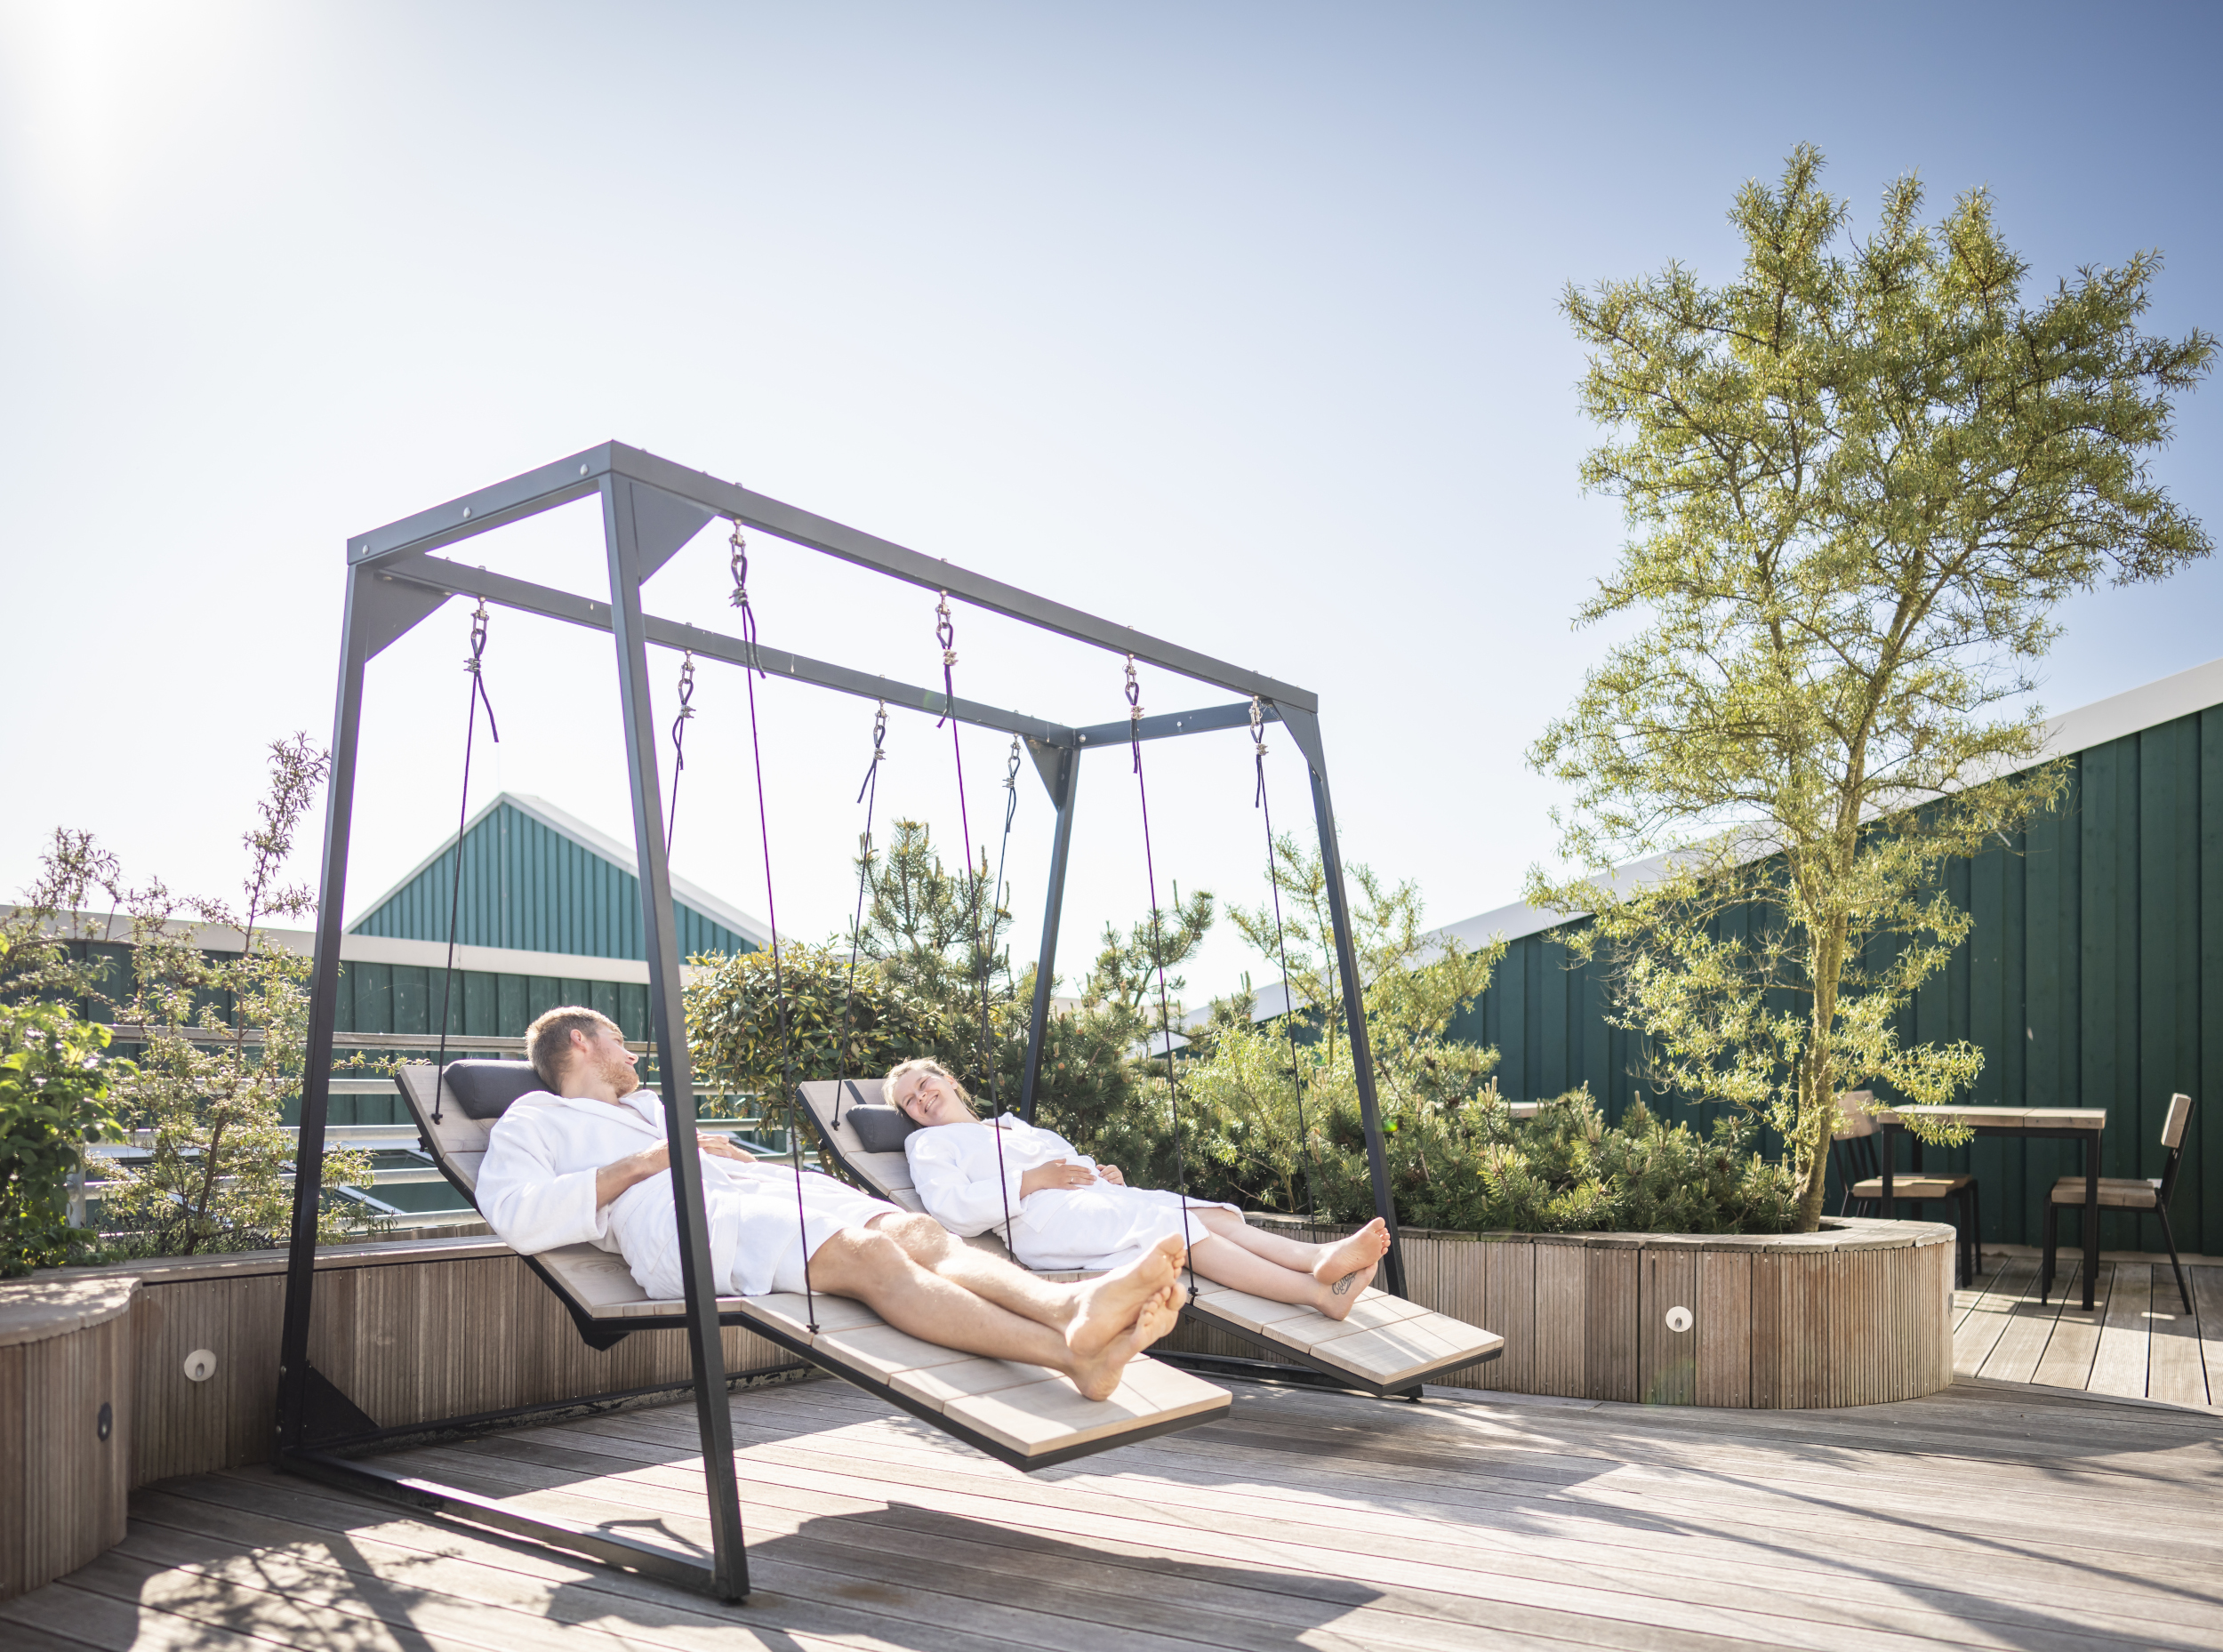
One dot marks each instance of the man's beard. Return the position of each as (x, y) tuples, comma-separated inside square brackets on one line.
[(622, 1075)]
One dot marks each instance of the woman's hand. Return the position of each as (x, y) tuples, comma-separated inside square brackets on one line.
[(1059, 1174), (1111, 1173)]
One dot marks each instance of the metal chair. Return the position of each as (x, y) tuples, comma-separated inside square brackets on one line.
[(2144, 1198), (1852, 1150)]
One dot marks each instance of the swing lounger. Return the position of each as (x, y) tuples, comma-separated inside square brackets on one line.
[(1387, 1346), (1027, 1416)]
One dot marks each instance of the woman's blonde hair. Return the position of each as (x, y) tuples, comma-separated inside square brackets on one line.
[(924, 1063)]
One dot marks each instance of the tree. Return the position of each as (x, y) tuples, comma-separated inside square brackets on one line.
[(225, 1040), (1858, 478), (1245, 1086)]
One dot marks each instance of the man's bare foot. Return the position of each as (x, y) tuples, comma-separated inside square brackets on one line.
[(1106, 1307), (1098, 1375), (1337, 1300), (1362, 1249)]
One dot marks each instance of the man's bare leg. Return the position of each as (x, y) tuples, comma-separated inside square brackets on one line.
[(874, 1268), (1088, 1314)]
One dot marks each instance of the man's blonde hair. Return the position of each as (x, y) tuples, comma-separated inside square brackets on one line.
[(923, 1063), (547, 1040)]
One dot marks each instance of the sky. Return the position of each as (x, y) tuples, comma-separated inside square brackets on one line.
[(1236, 322)]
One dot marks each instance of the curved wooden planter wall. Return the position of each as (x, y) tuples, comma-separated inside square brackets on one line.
[(65, 1425), (1855, 1315)]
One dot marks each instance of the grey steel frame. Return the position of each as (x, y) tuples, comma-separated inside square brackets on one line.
[(650, 508)]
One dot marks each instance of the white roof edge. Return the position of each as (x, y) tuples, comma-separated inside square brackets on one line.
[(596, 843), (388, 949), (2147, 706)]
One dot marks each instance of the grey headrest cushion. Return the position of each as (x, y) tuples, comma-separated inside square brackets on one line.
[(880, 1130), (485, 1089)]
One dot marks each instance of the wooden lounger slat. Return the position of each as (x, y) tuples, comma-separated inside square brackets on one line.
[(1371, 1349), (1025, 1415)]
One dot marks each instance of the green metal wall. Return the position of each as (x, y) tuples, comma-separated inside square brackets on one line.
[(530, 889), (2093, 978)]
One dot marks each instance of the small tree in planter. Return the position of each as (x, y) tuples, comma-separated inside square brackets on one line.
[(1859, 477), (220, 1176)]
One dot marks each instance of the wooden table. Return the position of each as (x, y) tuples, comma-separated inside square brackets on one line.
[(2076, 1123)]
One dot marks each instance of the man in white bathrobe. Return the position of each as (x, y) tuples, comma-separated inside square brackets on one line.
[(587, 1161)]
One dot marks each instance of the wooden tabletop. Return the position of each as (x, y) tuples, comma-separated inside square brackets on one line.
[(2005, 1117)]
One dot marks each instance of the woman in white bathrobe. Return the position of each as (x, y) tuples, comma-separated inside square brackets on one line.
[(1066, 1211)]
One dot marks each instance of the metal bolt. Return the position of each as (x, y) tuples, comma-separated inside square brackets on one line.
[(583, 469), (467, 510)]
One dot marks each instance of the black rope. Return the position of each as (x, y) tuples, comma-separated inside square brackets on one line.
[(869, 795), (1281, 945), (945, 633), (462, 812), (1158, 957), (751, 670)]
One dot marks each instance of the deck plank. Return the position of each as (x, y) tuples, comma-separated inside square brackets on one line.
[(2207, 1297), (1985, 1319), (2022, 1342), (2125, 1335), (2075, 1344), (2173, 1369)]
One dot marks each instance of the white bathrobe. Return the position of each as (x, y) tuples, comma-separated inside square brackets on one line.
[(536, 1190), (1103, 1225)]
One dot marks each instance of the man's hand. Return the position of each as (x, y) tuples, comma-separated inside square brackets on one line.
[(1059, 1172), (613, 1179)]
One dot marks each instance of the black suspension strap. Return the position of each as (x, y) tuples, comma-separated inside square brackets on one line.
[(945, 633), (751, 670), (474, 667), (1158, 957), (869, 795), (1281, 945)]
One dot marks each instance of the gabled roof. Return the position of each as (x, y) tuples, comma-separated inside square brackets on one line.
[(599, 845)]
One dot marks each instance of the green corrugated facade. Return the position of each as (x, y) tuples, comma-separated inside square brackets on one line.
[(2093, 978), (529, 887)]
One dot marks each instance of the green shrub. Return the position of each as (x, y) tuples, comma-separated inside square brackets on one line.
[(53, 1090)]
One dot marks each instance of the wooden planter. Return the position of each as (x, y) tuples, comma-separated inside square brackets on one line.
[(1856, 1314), (65, 1425)]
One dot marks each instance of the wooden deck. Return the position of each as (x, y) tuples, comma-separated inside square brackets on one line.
[(1981, 1517), (2138, 1342)]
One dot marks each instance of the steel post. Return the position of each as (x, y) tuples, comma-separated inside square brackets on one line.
[(1067, 790), (668, 1025), (1304, 729)]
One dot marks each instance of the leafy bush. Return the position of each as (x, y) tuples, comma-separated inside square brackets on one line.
[(53, 1089)]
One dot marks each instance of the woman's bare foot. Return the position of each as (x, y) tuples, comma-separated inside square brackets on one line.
[(1106, 1308), (1362, 1249), (1337, 1300), (1098, 1375)]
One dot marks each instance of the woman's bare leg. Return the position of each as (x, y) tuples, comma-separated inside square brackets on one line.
[(1088, 1315), (1326, 1276), (874, 1269)]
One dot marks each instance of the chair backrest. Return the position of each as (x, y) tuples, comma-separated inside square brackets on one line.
[(2173, 1127), (867, 1141), (470, 1097), (1852, 1143), (1853, 1117)]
